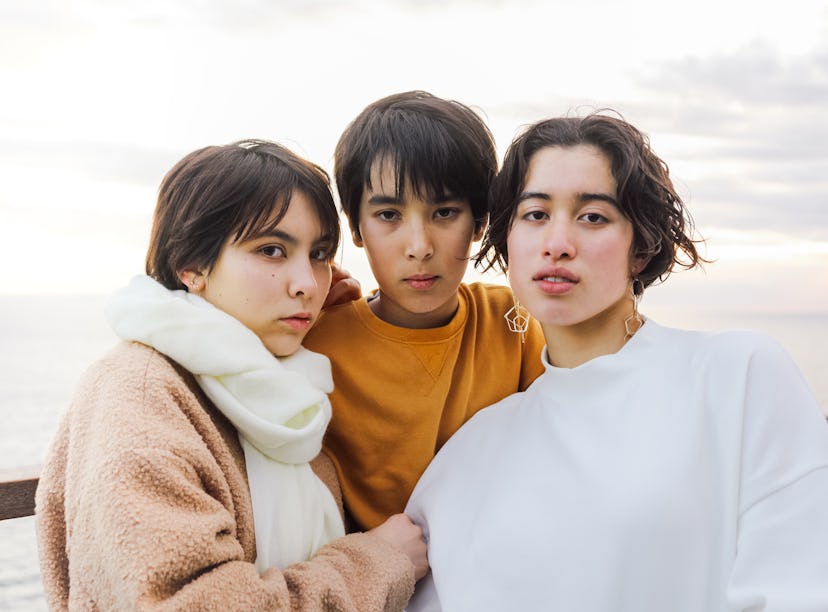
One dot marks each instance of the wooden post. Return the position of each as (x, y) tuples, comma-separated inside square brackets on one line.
[(17, 491)]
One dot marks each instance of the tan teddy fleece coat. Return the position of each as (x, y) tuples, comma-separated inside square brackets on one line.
[(144, 504)]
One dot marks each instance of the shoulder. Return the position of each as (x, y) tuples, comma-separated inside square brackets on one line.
[(743, 364), (486, 424), (341, 312), (499, 411), (764, 361), (486, 304), (487, 294), (489, 304), (731, 347), (130, 366), (743, 341), (134, 387), (334, 326), (728, 346), (135, 402)]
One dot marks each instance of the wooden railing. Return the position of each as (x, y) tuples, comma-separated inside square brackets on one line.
[(17, 492)]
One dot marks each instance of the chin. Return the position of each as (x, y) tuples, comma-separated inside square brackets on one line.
[(557, 319), (283, 349)]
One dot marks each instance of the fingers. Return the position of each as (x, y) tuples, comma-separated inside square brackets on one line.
[(346, 289), (400, 532)]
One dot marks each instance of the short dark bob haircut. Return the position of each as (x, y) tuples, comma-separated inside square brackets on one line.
[(438, 147), (661, 222), (229, 193)]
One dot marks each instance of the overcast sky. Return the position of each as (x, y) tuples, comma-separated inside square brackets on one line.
[(101, 97)]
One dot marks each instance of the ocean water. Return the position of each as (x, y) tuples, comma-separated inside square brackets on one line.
[(47, 342)]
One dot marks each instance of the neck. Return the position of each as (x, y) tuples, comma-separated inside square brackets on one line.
[(394, 314), (569, 346)]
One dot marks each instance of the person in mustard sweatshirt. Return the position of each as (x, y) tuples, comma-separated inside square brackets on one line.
[(184, 474), (418, 357)]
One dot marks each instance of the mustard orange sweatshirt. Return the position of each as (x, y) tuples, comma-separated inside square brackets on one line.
[(400, 393)]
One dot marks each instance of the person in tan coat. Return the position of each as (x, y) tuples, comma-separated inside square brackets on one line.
[(186, 473)]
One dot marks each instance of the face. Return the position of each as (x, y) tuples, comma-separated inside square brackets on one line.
[(418, 251), (569, 245), (275, 283)]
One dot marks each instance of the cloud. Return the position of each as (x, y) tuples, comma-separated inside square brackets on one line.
[(110, 93), (748, 127), (113, 162), (759, 123)]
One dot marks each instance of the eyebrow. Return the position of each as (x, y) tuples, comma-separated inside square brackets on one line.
[(381, 199), (288, 238), (275, 233), (581, 197)]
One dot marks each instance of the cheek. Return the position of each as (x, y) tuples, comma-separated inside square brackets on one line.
[(462, 245), (451, 238), (517, 269), (614, 257), (369, 241), (517, 250)]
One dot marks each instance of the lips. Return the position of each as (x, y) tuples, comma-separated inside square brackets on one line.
[(556, 275), (299, 321), (421, 281), (556, 281)]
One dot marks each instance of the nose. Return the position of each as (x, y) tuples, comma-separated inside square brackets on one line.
[(302, 279), (559, 242), (419, 245)]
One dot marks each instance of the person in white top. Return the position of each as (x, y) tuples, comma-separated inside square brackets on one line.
[(648, 469)]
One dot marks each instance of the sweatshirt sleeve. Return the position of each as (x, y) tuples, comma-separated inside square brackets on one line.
[(136, 510), (782, 547)]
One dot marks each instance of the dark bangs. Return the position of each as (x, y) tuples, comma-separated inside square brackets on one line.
[(427, 158), (259, 211), (229, 192), (437, 148)]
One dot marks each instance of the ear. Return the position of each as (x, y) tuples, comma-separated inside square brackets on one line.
[(193, 279), (639, 262), (356, 237), (480, 228)]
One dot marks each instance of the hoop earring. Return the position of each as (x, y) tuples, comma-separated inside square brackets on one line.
[(634, 322), (517, 318)]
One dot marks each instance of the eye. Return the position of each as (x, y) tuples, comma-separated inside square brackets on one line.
[(535, 215), (388, 215), (594, 218), (446, 213), (322, 253), (272, 250)]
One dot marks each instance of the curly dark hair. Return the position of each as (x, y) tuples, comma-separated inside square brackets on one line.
[(662, 225)]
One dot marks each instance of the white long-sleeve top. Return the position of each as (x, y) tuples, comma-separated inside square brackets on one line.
[(687, 472)]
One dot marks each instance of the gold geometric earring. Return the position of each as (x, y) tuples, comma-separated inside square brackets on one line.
[(517, 318), (634, 322)]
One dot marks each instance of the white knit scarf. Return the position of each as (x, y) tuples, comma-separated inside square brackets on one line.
[(280, 408)]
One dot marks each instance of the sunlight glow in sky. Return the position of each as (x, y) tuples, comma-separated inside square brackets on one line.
[(109, 94)]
